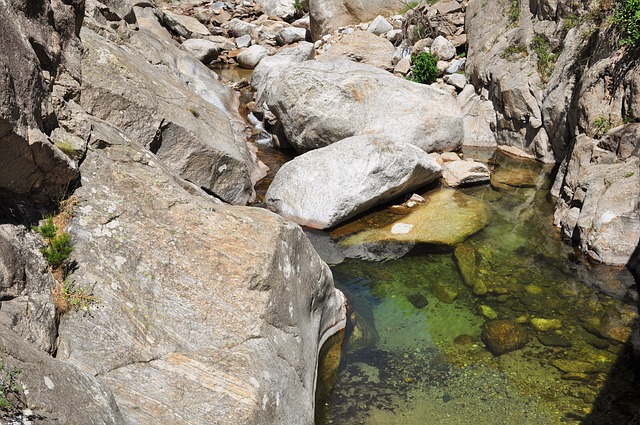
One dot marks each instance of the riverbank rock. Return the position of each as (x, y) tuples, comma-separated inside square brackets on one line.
[(324, 187), (362, 47), (271, 67), (447, 217), (327, 16), (467, 172), (156, 109), (227, 304), (252, 56), (597, 205), (56, 389), (502, 336), (321, 102)]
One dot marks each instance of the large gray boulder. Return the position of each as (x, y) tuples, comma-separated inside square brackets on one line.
[(229, 305), (284, 9), (479, 118), (363, 47), (270, 67), (327, 16), (157, 109), (326, 186), (321, 102), (598, 200)]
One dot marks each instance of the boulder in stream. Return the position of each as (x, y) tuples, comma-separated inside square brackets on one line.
[(324, 187), (321, 102), (503, 336)]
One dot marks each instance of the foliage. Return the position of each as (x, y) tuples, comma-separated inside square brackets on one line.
[(424, 69), (514, 13), (629, 174), (9, 387), (297, 5), (546, 58), (601, 126), (513, 52), (627, 18), (58, 244), (408, 6), (68, 296)]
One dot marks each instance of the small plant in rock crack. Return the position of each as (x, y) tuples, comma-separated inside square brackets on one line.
[(57, 247), (68, 296), (10, 391), (424, 69), (297, 5), (601, 126), (514, 13)]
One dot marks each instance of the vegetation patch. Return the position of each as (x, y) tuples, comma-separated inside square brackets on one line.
[(514, 52), (57, 247), (627, 19), (10, 391), (424, 69), (546, 58), (601, 126), (514, 13), (69, 296)]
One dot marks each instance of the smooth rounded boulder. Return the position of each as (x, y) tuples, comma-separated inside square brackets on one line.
[(321, 102), (324, 187)]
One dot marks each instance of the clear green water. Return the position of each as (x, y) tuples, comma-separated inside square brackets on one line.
[(400, 364)]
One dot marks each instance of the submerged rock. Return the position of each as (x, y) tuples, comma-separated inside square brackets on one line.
[(502, 336), (321, 102), (418, 300), (467, 172), (467, 259), (327, 186), (447, 217)]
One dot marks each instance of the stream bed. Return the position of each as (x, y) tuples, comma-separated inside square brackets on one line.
[(413, 352)]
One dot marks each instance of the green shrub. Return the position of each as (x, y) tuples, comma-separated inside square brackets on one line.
[(424, 68), (58, 244), (68, 296), (514, 52), (601, 126), (627, 18), (9, 388), (546, 59), (297, 5)]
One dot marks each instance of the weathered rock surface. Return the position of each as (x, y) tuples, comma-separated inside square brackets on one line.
[(362, 47), (204, 50), (448, 217), (39, 51), (327, 15), (502, 336), (252, 56), (156, 109), (227, 304), (290, 35), (598, 203), (460, 173), (321, 102), (329, 185), (284, 9), (56, 389), (271, 67), (25, 288), (479, 118)]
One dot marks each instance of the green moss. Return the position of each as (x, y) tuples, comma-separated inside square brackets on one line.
[(66, 147), (514, 13), (546, 58), (514, 52)]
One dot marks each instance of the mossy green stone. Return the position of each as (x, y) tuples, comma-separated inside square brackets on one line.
[(467, 259), (448, 217)]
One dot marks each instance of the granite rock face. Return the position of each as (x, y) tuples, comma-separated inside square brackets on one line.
[(39, 66), (159, 111), (227, 304), (327, 15), (598, 203)]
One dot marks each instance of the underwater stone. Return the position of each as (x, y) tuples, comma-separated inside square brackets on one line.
[(552, 340), (418, 300), (541, 324), (466, 258), (502, 336), (573, 366), (444, 292), (448, 217)]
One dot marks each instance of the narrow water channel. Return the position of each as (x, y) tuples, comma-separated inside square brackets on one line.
[(413, 353)]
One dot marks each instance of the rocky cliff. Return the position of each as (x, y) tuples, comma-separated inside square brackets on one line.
[(565, 89), (183, 308)]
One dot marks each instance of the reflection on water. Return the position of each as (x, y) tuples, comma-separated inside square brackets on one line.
[(413, 351)]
